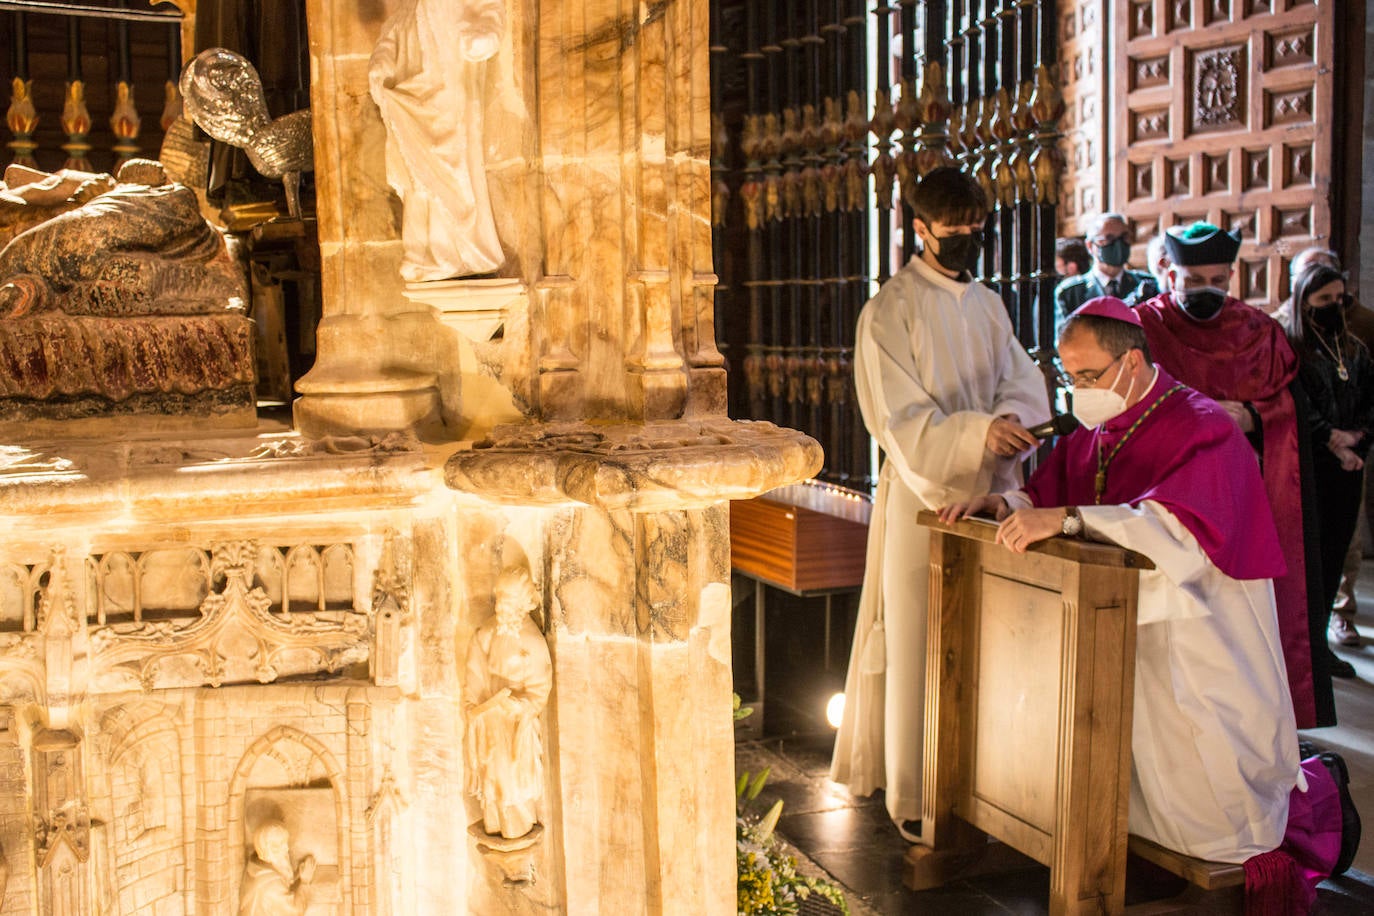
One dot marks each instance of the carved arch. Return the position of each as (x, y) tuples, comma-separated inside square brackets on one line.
[(267, 745)]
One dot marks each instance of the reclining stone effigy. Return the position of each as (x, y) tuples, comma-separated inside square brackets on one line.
[(118, 299)]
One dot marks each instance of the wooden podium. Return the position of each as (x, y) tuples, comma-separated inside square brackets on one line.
[(1030, 666)]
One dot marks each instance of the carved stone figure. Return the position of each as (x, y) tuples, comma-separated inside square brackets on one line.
[(140, 295), (427, 77), (140, 248), (29, 197), (271, 887), (509, 675)]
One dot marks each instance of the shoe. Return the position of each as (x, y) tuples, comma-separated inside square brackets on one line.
[(1343, 632), (1339, 667), (910, 831)]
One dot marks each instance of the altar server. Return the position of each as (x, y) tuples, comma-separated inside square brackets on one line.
[(947, 391), (1163, 470)]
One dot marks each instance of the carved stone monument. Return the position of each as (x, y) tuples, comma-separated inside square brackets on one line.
[(140, 296)]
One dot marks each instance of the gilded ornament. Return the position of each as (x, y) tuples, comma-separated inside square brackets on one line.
[(1047, 104), (933, 106), (832, 178), (124, 123), (171, 106), (770, 138), (832, 126), (855, 185), (76, 124), (720, 202), (751, 139), (884, 171), (772, 198), (884, 118), (908, 112), (856, 121), (22, 120)]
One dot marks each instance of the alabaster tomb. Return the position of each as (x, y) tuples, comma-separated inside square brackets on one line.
[(457, 639)]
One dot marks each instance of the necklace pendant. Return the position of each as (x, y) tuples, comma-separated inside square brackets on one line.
[(1343, 373)]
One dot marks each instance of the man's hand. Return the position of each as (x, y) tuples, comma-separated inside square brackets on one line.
[(1349, 460), (1240, 414), (992, 503), (1007, 437), (1344, 438), (1025, 527), (305, 871)]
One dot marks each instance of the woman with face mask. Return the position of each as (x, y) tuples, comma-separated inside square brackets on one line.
[(1337, 375)]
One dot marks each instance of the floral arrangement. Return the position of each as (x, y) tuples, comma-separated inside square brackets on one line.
[(768, 883)]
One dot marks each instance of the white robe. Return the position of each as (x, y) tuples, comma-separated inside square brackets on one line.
[(1214, 745), (935, 361)]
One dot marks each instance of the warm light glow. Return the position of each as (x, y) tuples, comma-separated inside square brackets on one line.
[(834, 710)]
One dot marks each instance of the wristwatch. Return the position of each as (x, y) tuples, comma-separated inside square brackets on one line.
[(1073, 522)]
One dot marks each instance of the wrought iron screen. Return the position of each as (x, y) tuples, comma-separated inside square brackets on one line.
[(827, 112)]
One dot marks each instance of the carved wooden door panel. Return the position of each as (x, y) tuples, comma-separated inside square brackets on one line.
[(1083, 70), (1224, 113)]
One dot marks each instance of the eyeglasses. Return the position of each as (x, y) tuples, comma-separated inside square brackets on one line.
[(1103, 240), (1087, 378)]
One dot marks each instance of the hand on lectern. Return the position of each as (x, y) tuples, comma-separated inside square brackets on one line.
[(992, 504), (1025, 527)]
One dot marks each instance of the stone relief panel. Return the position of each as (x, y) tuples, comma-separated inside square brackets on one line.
[(235, 635), (140, 750), (293, 779)]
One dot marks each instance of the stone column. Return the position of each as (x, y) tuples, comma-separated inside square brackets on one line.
[(373, 367), (623, 321)]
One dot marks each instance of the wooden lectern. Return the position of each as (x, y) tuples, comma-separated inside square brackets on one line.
[(1030, 666)]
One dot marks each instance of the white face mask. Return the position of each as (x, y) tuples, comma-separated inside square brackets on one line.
[(1095, 406)]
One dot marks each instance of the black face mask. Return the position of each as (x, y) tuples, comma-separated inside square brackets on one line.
[(1328, 318), (960, 252), (1201, 304), (1115, 253)]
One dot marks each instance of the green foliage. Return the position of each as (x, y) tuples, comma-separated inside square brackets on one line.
[(768, 883)]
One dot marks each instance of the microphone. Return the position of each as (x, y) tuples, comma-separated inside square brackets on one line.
[(1061, 425)]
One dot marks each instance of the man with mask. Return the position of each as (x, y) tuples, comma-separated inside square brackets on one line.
[(1160, 469), (1157, 256), (1239, 356), (1110, 244), (947, 391)]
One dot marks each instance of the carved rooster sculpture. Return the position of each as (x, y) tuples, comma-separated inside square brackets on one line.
[(223, 95)]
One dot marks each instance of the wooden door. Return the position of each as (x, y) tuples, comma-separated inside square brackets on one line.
[(1224, 111), (1084, 69)]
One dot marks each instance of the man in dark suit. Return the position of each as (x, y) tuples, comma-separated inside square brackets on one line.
[(1109, 243)]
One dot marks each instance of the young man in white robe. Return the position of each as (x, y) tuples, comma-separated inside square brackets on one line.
[(1163, 470), (947, 391)]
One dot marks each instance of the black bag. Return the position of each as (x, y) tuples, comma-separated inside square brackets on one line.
[(1350, 818)]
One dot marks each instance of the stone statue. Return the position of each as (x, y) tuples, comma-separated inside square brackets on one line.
[(271, 887), (122, 301), (223, 94), (509, 675), (29, 197), (138, 246), (427, 77)]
